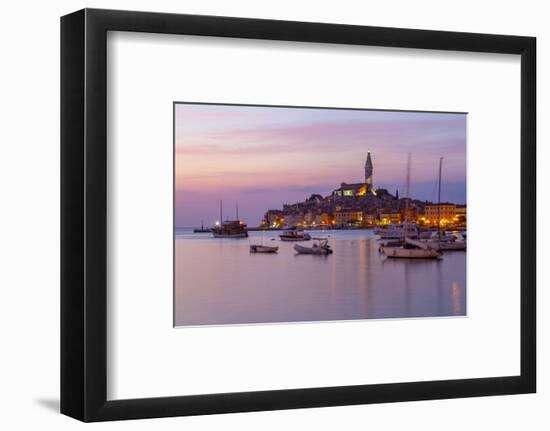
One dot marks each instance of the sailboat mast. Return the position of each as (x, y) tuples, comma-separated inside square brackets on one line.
[(237, 210), (408, 186), (439, 197), (221, 211)]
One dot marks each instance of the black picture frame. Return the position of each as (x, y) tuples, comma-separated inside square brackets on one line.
[(84, 214)]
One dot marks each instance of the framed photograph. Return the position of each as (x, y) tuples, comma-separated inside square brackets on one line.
[(262, 215)]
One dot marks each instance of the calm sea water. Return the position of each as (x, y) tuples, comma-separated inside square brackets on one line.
[(218, 281)]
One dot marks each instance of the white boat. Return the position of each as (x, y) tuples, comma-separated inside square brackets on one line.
[(398, 231), (263, 249), (294, 235), (426, 234), (409, 248), (439, 240), (412, 249), (447, 242), (318, 248)]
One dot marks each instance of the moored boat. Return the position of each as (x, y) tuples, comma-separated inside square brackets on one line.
[(318, 248), (440, 240), (448, 243), (263, 249), (294, 235), (411, 249), (397, 231), (230, 229)]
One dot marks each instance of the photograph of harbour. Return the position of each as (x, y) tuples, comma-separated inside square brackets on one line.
[(292, 214)]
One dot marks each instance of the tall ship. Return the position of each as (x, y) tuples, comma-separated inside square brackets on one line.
[(229, 228)]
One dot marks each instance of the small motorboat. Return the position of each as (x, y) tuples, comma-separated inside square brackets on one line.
[(448, 242), (295, 235), (411, 249), (263, 249), (397, 231), (318, 248)]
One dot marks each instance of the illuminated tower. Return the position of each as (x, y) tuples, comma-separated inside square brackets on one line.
[(368, 174)]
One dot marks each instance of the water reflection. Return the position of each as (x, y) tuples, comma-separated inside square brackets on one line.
[(456, 297), (219, 282)]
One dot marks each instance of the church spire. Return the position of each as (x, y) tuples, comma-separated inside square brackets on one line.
[(368, 173)]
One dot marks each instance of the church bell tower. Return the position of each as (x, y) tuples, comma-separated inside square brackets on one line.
[(368, 174)]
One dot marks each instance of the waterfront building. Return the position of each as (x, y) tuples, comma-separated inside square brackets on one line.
[(273, 219), (293, 220), (443, 213), (368, 218), (410, 214), (460, 213), (346, 217), (390, 218), (326, 219), (359, 189)]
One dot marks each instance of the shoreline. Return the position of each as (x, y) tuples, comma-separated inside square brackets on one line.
[(269, 229)]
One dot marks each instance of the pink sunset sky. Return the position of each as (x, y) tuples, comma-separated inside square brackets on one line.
[(263, 157)]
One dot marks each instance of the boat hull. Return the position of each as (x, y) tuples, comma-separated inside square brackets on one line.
[(312, 250), (263, 249), (449, 246), (400, 253), (405, 253), (397, 232)]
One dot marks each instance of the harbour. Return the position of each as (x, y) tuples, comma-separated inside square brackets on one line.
[(354, 282)]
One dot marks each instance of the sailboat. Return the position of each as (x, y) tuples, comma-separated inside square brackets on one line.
[(410, 248), (397, 231), (229, 228), (447, 242)]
